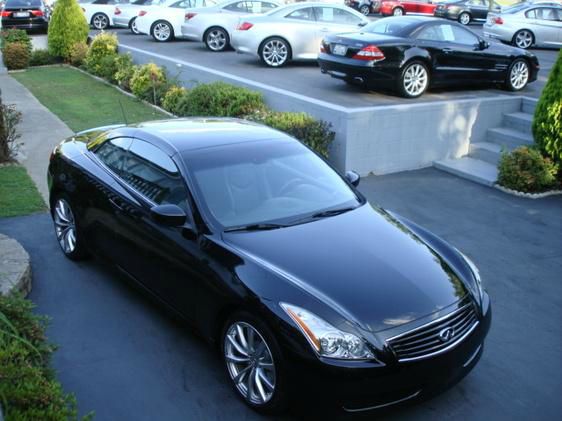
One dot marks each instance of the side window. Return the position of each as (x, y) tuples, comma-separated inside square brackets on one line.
[(547, 14), (181, 5), (531, 14), (302, 14), (266, 7), (462, 36), (113, 153), (335, 15), (239, 7), (448, 33), (432, 33)]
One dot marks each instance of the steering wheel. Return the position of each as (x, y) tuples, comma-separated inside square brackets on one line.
[(290, 185)]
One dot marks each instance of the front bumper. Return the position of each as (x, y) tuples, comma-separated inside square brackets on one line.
[(364, 387)]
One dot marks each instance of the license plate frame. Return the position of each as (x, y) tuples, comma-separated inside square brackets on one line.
[(21, 14), (339, 49)]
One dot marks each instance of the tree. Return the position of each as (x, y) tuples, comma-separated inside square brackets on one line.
[(547, 123), (67, 27), (9, 119)]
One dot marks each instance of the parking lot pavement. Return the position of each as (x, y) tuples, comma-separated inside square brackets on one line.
[(125, 359), (306, 79)]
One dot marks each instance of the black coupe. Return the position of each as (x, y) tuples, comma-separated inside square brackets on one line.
[(253, 239), (411, 53)]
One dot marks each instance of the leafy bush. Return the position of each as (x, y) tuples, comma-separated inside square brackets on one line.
[(125, 70), (316, 134), (9, 119), (28, 387), (547, 123), (149, 82), (67, 27), (78, 54), (104, 44), (108, 68), (16, 56), (15, 35), (220, 99), (526, 170), (172, 98), (42, 58)]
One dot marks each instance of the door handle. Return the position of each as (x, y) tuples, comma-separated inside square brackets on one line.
[(447, 50)]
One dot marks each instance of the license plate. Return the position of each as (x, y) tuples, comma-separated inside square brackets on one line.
[(339, 50), (21, 14)]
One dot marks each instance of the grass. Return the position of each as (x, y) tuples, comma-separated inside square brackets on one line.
[(18, 194), (81, 101)]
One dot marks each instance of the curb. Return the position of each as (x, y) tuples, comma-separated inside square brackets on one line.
[(15, 267), (528, 195)]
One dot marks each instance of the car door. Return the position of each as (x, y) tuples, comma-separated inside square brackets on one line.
[(334, 20), (305, 34), (546, 25), (164, 259)]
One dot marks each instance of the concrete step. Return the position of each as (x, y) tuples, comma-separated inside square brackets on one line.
[(518, 121), (471, 169), (528, 105), (486, 151), (507, 137)]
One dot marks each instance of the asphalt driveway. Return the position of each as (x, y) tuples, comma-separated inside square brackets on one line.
[(126, 359)]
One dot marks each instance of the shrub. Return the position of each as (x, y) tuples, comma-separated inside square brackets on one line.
[(547, 123), (124, 70), (108, 68), (67, 27), (104, 44), (149, 82), (41, 58), (9, 119), (526, 170), (316, 134), (172, 98), (16, 56), (78, 53), (15, 35), (220, 99)]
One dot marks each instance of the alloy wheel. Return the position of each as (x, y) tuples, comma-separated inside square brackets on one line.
[(162, 32), (134, 29), (216, 40), (464, 18), (250, 363), (100, 21), (365, 10), (519, 75), (415, 80), (398, 12), (65, 226), (275, 53), (524, 39)]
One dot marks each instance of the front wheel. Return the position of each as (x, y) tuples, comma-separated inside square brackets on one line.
[(464, 18), (398, 12), (133, 26), (254, 363), (64, 218), (275, 52), (414, 80), (365, 10), (523, 39), (100, 21), (162, 31), (517, 75), (217, 39)]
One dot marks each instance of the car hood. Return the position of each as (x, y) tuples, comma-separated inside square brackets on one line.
[(363, 263)]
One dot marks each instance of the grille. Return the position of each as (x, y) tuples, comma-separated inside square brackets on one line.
[(435, 337)]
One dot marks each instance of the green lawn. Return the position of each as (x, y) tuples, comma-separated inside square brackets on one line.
[(18, 194), (81, 101)]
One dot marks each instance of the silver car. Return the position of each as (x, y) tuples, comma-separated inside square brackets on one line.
[(125, 15), (293, 32), (527, 24)]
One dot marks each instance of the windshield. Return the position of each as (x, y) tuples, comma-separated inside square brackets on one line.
[(389, 26), (273, 181)]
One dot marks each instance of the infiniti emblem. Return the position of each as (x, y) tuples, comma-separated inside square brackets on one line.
[(446, 334)]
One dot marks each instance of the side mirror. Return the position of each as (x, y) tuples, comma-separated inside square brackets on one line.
[(483, 44), (353, 178), (362, 24), (169, 215)]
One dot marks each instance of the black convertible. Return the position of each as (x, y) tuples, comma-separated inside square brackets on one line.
[(410, 54)]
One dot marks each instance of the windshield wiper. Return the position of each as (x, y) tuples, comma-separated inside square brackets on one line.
[(332, 212), (255, 227)]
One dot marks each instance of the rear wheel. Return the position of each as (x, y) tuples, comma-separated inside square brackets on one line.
[(523, 39), (216, 39), (517, 75), (100, 21), (275, 52), (66, 229), (414, 80), (133, 26), (398, 12), (162, 31), (464, 18), (365, 10)]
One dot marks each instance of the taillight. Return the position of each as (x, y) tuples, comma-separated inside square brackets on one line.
[(117, 11), (37, 12), (189, 15), (6, 14), (498, 21), (369, 53), (142, 13), (322, 48), (244, 26)]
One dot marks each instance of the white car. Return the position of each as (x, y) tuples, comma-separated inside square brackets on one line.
[(125, 15), (99, 13), (215, 25), (293, 32), (164, 21)]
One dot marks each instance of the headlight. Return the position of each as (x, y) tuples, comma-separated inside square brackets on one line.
[(475, 272), (325, 339)]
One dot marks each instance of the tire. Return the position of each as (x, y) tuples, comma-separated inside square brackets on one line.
[(66, 228), (100, 21), (523, 39), (464, 18), (275, 52), (517, 75), (216, 39), (398, 11), (133, 26), (412, 73), (162, 31), (266, 367), (365, 10)]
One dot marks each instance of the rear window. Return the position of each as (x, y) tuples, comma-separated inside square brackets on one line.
[(389, 26), (23, 3)]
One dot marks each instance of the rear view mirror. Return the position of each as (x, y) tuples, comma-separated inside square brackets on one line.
[(169, 215), (362, 24), (353, 178)]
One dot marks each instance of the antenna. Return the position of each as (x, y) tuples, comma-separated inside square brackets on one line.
[(123, 112)]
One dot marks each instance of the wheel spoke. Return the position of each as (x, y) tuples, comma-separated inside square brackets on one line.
[(250, 383), (264, 378), (242, 374), (237, 360), (259, 386), (237, 346)]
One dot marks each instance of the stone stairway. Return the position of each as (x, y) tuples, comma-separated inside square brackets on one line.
[(480, 165)]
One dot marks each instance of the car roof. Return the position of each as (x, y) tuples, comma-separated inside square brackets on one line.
[(184, 134)]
